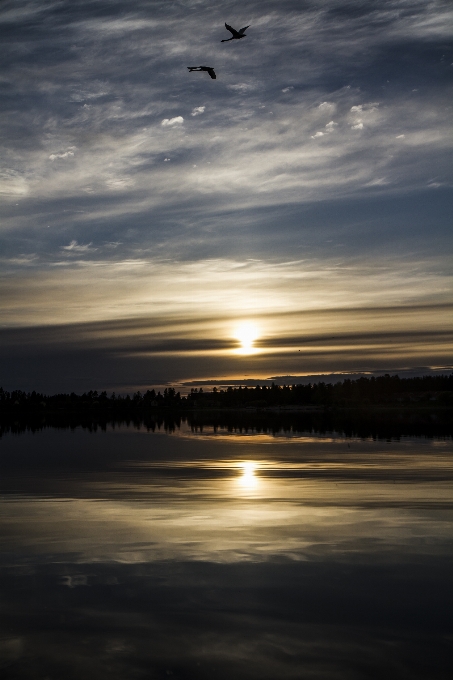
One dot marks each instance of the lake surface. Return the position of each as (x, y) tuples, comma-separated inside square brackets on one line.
[(129, 553)]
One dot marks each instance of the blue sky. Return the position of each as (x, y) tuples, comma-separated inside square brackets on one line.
[(147, 212)]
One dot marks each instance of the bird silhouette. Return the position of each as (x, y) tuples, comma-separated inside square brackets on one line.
[(237, 35), (209, 69)]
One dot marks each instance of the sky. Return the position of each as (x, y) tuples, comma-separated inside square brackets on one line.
[(290, 218)]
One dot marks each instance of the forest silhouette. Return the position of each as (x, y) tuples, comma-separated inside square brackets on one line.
[(382, 407), (387, 390)]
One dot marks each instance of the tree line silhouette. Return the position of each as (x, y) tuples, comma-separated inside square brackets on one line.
[(386, 390)]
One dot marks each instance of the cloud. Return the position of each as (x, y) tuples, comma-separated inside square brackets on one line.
[(242, 87), (169, 122), (378, 182), (124, 117), (329, 127), (363, 113), (101, 288), (74, 247), (327, 107), (119, 183), (13, 182), (63, 154), (198, 110), (127, 351)]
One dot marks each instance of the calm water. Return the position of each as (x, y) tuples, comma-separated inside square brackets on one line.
[(133, 554)]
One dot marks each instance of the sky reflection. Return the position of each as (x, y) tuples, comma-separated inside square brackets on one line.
[(183, 499), (129, 554)]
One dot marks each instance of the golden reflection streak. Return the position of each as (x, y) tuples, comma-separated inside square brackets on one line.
[(248, 481)]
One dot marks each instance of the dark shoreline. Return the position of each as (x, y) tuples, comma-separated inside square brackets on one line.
[(377, 421)]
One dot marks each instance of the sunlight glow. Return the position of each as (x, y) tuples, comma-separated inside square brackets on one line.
[(246, 333)]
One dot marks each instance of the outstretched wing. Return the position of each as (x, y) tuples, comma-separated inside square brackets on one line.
[(232, 30), (211, 73), (241, 31)]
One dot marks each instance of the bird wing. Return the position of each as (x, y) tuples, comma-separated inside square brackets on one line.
[(211, 73), (232, 30), (243, 29)]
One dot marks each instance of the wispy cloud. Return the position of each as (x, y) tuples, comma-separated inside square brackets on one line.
[(63, 154), (75, 247), (95, 288)]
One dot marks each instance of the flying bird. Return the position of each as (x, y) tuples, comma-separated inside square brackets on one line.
[(237, 35), (209, 69)]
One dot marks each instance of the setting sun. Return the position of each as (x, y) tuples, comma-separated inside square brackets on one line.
[(246, 333)]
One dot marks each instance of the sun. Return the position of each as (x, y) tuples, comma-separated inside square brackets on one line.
[(246, 333)]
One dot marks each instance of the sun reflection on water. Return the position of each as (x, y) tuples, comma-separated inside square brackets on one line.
[(248, 480)]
